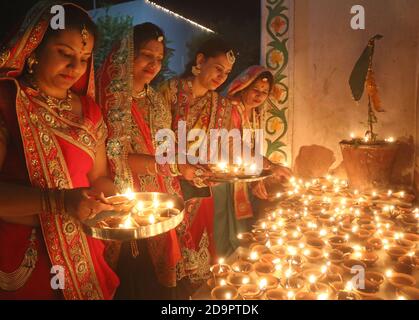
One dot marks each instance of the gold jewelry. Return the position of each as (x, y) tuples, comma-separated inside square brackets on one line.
[(198, 182), (84, 35), (174, 170), (31, 61), (55, 103), (12, 281), (160, 39), (196, 70), (139, 94), (230, 57)]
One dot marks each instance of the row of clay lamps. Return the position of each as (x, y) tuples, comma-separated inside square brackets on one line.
[(323, 240)]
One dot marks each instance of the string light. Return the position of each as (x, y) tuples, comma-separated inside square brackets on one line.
[(178, 16)]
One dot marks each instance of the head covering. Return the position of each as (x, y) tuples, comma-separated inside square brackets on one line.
[(86, 274), (35, 24), (245, 79)]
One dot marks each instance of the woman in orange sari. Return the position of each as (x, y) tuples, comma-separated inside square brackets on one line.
[(52, 162), (151, 268)]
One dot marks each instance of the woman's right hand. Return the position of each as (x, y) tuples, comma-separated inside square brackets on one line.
[(85, 203), (259, 190)]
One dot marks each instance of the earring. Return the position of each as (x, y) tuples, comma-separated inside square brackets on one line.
[(31, 61), (196, 70)]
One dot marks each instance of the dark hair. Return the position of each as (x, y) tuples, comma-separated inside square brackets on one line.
[(211, 48), (267, 75), (75, 19), (144, 33)]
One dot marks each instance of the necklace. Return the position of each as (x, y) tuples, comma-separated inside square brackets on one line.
[(55, 103), (139, 94)]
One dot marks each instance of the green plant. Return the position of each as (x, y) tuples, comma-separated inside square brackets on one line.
[(111, 29), (362, 77)]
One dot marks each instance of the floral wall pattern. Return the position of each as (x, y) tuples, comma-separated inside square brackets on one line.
[(276, 52)]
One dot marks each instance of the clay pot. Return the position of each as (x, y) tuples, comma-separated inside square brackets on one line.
[(245, 239), (315, 243), (305, 296), (406, 264), (411, 293), (336, 256), (276, 294), (249, 292), (224, 293), (348, 264), (368, 166), (400, 280), (238, 279), (374, 244), (370, 289), (279, 251), (337, 241), (375, 277), (313, 255), (242, 267), (263, 268), (396, 252)]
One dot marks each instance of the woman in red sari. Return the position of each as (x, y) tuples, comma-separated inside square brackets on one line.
[(52, 161), (134, 113), (194, 100)]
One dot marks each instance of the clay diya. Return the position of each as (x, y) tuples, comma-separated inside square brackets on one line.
[(276, 294), (353, 264), (374, 244), (263, 268), (406, 244), (242, 267), (245, 239), (337, 241), (315, 243), (220, 270), (313, 254), (396, 252), (238, 279), (305, 296), (375, 277), (409, 292), (224, 293), (279, 251), (399, 280), (411, 237), (335, 256), (369, 258), (406, 264), (249, 291)]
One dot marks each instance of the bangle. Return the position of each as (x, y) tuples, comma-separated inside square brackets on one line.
[(150, 172), (163, 170), (44, 201), (174, 170)]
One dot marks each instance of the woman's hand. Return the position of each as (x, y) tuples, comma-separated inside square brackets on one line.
[(259, 190), (279, 172), (196, 174), (84, 203)]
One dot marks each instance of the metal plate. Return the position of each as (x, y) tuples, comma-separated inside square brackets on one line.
[(220, 177), (93, 226)]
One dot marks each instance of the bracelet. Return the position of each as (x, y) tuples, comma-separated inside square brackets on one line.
[(150, 172), (44, 201), (53, 201), (161, 169), (174, 170)]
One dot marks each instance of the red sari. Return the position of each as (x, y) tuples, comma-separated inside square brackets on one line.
[(132, 125), (48, 150), (211, 112)]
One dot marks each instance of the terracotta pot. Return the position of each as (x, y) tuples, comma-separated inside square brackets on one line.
[(368, 166)]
